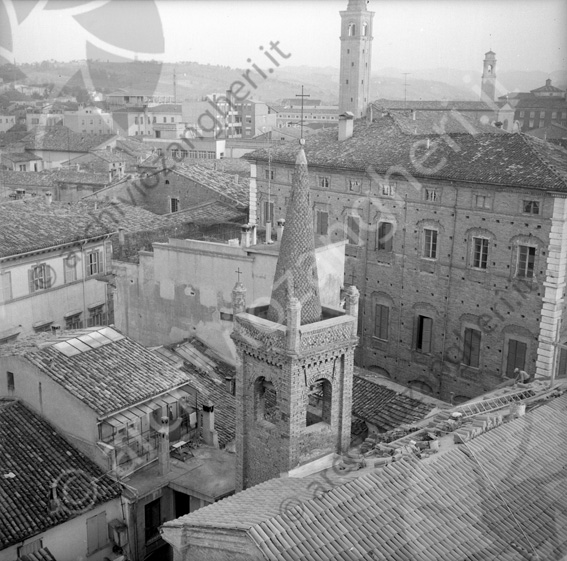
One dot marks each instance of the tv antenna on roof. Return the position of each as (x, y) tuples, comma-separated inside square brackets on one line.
[(302, 95), (405, 86)]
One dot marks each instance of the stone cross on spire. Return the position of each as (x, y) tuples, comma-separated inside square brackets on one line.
[(296, 270)]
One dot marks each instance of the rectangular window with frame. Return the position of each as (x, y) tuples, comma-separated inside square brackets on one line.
[(381, 322), (387, 189), (5, 286), (94, 263), (430, 243), (431, 195), (96, 316), (39, 277), (11, 383), (353, 229), (354, 185), (480, 253), (97, 533), (173, 204), (516, 356), (482, 201), (70, 268), (385, 235), (424, 334), (322, 222), (269, 174), (268, 212), (323, 181), (152, 512), (526, 261), (73, 322), (471, 351), (530, 207)]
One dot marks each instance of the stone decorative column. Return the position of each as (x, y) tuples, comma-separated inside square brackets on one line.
[(238, 298), (293, 325)]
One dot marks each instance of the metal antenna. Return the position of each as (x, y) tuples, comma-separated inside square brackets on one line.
[(405, 86), (302, 95)]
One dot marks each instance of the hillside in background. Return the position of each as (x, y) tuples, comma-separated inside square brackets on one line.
[(195, 80)]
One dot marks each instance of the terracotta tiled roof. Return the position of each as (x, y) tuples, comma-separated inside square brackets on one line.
[(25, 178), (232, 186), (296, 269), (432, 105), (20, 157), (60, 223), (500, 497), (63, 139), (211, 212), (80, 177), (441, 122), (33, 457), (383, 406), (108, 378), (502, 159), (165, 108)]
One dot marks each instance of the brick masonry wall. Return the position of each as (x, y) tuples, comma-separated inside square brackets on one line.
[(447, 289)]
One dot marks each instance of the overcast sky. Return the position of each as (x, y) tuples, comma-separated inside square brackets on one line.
[(408, 34)]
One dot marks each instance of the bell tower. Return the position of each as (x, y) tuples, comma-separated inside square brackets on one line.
[(294, 368), (356, 55), (488, 82)]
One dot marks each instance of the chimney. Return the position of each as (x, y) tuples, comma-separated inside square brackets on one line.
[(413, 114), (20, 193), (269, 232), (245, 236), (210, 435), (163, 447), (280, 228), (48, 197), (346, 121), (369, 114)]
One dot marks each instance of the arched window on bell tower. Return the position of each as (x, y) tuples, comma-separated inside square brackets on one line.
[(351, 30), (364, 29), (319, 404), (266, 400)]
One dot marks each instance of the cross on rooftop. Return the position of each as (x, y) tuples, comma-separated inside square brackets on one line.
[(302, 95), (238, 272)]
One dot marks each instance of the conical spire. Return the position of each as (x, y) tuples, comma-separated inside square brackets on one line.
[(296, 270)]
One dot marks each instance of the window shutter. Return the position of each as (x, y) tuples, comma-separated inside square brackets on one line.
[(510, 364), (324, 223), (475, 348), (467, 347), (520, 359), (562, 369), (30, 281), (47, 276), (427, 325), (102, 530), (92, 535), (108, 247), (384, 322)]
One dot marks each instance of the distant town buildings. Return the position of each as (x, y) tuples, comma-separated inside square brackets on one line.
[(539, 108)]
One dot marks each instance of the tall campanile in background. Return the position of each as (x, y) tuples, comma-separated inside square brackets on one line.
[(356, 57)]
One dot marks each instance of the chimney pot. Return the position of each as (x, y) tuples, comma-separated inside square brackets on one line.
[(346, 122), (48, 197)]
